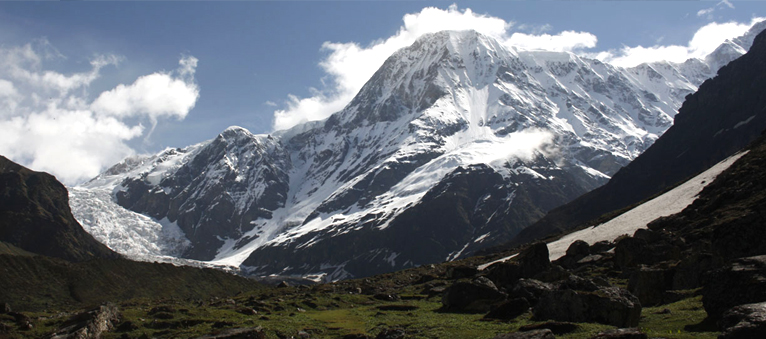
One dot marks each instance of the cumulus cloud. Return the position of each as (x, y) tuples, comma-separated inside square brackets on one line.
[(566, 41), (155, 95), (50, 124), (349, 65), (704, 42)]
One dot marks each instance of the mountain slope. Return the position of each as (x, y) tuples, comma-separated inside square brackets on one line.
[(726, 113), (37, 231), (456, 143), (35, 216)]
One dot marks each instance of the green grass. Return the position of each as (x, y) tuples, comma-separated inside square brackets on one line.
[(684, 314), (331, 313)]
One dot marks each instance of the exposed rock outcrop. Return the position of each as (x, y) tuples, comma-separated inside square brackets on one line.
[(91, 324)]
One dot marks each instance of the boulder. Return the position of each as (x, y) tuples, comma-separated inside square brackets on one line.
[(650, 284), (460, 272), (553, 274), (89, 324), (647, 234), (621, 333), (601, 247), (535, 334), (504, 273), (689, 271), (744, 321), (509, 310), (742, 236), (590, 260), (530, 289), (534, 259), (434, 290), (628, 252), (477, 296), (609, 305), (578, 249), (741, 282), (577, 283), (631, 252)]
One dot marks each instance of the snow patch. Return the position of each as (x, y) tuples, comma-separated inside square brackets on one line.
[(672, 202)]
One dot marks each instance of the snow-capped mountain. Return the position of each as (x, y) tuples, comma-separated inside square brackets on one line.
[(456, 143)]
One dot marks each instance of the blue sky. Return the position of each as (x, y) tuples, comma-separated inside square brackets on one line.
[(77, 78)]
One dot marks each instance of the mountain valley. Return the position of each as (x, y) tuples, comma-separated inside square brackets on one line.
[(468, 190)]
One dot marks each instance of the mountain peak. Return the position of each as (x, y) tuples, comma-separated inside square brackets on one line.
[(235, 131)]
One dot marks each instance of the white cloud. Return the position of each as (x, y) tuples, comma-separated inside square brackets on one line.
[(704, 42), (566, 41), (49, 123), (349, 65), (154, 95)]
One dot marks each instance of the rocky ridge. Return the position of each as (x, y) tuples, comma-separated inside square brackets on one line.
[(449, 112), (722, 117)]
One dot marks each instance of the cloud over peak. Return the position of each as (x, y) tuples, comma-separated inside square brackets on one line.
[(349, 65), (704, 42)]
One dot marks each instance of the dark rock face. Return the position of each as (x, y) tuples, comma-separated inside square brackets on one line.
[(90, 324), (610, 306), (744, 321), (448, 220), (504, 273), (459, 272), (650, 284), (742, 282), (701, 136), (634, 251), (534, 259), (689, 271), (477, 296), (235, 179), (35, 216)]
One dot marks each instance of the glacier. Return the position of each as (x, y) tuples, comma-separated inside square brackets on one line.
[(455, 118)]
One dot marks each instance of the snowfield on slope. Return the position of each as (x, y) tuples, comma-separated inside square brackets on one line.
[(672, 202)]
